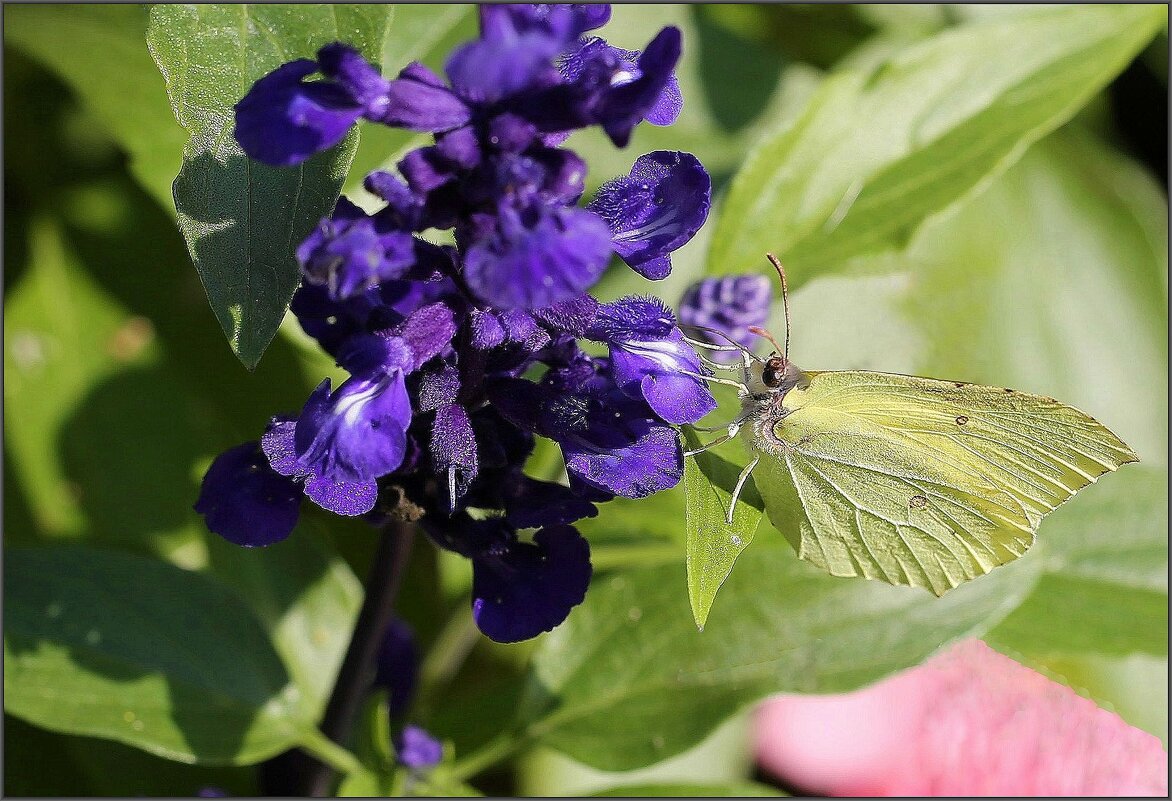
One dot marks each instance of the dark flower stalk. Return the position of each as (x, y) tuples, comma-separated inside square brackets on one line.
[(460, 355)]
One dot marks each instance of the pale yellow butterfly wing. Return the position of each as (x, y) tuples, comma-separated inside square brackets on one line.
[(923, 482)]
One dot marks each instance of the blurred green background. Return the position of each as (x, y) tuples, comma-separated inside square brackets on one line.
[(119, 387)]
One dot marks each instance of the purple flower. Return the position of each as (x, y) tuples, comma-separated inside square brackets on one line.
[(520, 589), (650, 359), (418, 100), (656, 209), (610, 441), (359, 432), (418, 750), (730, 305), (247, 502), (537, 256), (340, 497), (618, 88), (566, 21), (283, 120), (510, 56), (530, 503), (348, 255), (453, 442)]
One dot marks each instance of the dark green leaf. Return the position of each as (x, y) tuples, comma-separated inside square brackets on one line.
[(243, 220), (111, 645), (713, 544), (878, 150), (305, 597), (628, 681)]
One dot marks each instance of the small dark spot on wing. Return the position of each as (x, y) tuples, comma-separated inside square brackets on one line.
[(959, 384), (961, 419), (917, 502), (1009, 390)]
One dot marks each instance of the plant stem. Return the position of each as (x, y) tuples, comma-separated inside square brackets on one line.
[(330, 753), (498, 748), (354, 677)]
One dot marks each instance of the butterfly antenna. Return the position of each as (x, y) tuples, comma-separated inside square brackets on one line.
[(784, 299), (761, 332)]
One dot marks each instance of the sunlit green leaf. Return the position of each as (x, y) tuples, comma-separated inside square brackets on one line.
[(714, 544), (627, 680), (243, 220), (876, 151), (1105, 590)]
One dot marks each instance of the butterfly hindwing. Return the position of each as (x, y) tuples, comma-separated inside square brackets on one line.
[(922, 482)]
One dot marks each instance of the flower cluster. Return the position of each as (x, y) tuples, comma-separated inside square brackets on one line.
[(459, 355)]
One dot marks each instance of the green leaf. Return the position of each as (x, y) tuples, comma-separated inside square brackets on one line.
[(122, 647), (98, 49), (730, 790), (306, 598), (61, 341), (1105, 590), (713, 544), (628, 681), (243, 220), (878, 150), (1053, 281)]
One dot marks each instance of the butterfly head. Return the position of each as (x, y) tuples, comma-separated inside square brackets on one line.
[(776, 375)]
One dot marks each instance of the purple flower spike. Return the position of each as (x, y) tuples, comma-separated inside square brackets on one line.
[(245, 501), (650, 358), (655, 210), (537, 257), (729, 304), (521, 589), (358, 433), (348, 255), (418, 750), (283, 120)]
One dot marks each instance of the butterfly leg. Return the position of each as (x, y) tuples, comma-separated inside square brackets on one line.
[(732, 504), (713, 444)]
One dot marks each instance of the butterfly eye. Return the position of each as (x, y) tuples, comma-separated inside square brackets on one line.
[(772, 375)]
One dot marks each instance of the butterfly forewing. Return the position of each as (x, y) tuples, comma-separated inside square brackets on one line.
[(922, 482)]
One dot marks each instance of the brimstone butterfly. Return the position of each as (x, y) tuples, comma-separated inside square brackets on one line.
[(903, 479)]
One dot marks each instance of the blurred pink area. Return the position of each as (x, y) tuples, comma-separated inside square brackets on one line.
[(969, 721)]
